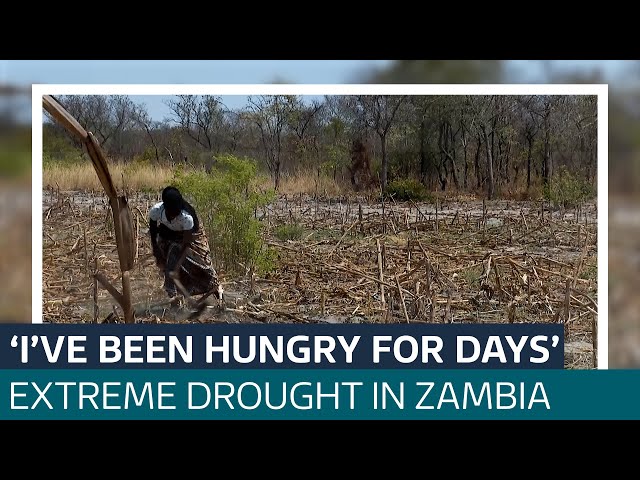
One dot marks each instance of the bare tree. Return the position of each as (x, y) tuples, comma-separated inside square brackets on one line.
[(447, 136), (141, 116), (106, 116), (485, 109), (530, 130), (586, 124), (303, 123), (379, 112), (422, 117), (270, 113), (200, 117), (233, 128), (301, 116), (543, 107)]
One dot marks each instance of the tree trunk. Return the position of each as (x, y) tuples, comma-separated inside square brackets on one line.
[(593, 170), (442, 144), (466, 165), (452, 156), (500, 158), (506, 162), (492, 181), (423, 153), (385, 165), (547, 167), (491, 189), (153, 142), (477, 162), (529, 152), (443, 180), (276, 175)]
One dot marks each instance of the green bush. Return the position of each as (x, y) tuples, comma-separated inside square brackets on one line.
[(59, 149), (407, 189), (147, 157), (567, 190), (288, 231), (226, 200)]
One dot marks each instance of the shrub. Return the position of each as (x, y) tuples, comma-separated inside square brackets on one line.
[(147, 157), (407, 189), (567, 190), (471, 276), (226, 200), (288, 231), (60, 149)]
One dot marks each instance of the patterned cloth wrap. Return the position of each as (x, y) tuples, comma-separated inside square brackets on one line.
[(197, 274)]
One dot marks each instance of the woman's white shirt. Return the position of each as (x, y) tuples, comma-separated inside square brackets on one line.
[(180, 223)]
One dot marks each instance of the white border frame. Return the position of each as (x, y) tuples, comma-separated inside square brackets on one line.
[(601, 90)]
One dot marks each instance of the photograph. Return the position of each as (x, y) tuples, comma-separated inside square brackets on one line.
[(374, 204)]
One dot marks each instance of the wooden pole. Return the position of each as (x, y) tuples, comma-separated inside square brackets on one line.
[(567, 300), (122, 219), (380, 274), (96, 309), (126, 293), (404, 307), (594, 340)]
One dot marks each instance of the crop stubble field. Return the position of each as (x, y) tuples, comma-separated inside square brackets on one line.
[(463, 261), (354, 260)]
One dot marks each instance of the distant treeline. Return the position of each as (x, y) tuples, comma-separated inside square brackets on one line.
[(491, 144)]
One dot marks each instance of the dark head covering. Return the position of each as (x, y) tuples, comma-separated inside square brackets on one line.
[(172, 199)]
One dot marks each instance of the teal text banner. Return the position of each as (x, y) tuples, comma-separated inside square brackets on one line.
[(320, 394)]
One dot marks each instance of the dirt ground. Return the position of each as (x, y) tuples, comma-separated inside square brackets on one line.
[(356, 261)]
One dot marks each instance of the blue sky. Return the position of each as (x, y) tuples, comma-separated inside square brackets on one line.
[(225, 71), (158, 110), (24, 72), (185, 71)]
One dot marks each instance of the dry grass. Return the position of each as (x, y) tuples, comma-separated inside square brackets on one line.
[(298, 183), (151, 178), (82, 177)]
